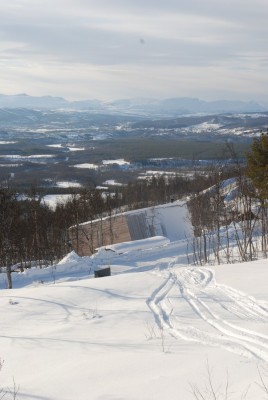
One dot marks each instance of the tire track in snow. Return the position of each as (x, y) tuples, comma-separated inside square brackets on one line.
[(246, 303), (198, 289)]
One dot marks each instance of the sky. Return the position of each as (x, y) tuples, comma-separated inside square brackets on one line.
[(111, 49)]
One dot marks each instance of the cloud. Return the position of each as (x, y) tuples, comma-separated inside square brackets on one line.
[(81, 44)]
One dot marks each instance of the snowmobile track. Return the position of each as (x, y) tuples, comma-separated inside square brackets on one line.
[(215, 313)]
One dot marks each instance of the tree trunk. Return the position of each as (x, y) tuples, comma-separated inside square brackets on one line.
[(9, 279)]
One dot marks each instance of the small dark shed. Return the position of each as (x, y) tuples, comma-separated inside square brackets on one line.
[(102, 272)]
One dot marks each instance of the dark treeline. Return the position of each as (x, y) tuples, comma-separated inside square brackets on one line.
[(30, 231), (163, 189)]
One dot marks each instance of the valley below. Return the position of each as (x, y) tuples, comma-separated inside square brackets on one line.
[(44, 148)]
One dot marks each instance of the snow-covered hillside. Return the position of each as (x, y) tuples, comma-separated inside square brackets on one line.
[(148, 332)]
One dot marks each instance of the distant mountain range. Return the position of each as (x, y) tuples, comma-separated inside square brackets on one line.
[(142, 107)]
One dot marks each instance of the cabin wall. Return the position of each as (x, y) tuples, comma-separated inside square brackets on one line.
[(88, 236), (169, 220)]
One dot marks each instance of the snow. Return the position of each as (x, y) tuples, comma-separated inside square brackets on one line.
[(70, 258), (148, 331), (102, 187), (76, 148), (150, 174), (86, 165), (135, 245), (203, 127), (170, 220), (53, 199), (112, 182), (33, 156), (67, 184), (69, 147), (119, 161), (10, 165)]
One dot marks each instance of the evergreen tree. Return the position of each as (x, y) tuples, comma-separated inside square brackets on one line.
[(257, 171), (257, 165)]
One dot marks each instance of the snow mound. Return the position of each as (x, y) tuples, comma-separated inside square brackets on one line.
[(135, 245), (70, 258)]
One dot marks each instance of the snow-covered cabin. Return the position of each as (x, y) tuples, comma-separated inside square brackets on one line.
[(169, 220)]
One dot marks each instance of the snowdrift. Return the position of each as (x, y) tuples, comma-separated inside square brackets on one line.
[(135, 245)]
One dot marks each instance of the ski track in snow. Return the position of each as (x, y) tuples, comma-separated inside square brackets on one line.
[(214, 305)]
